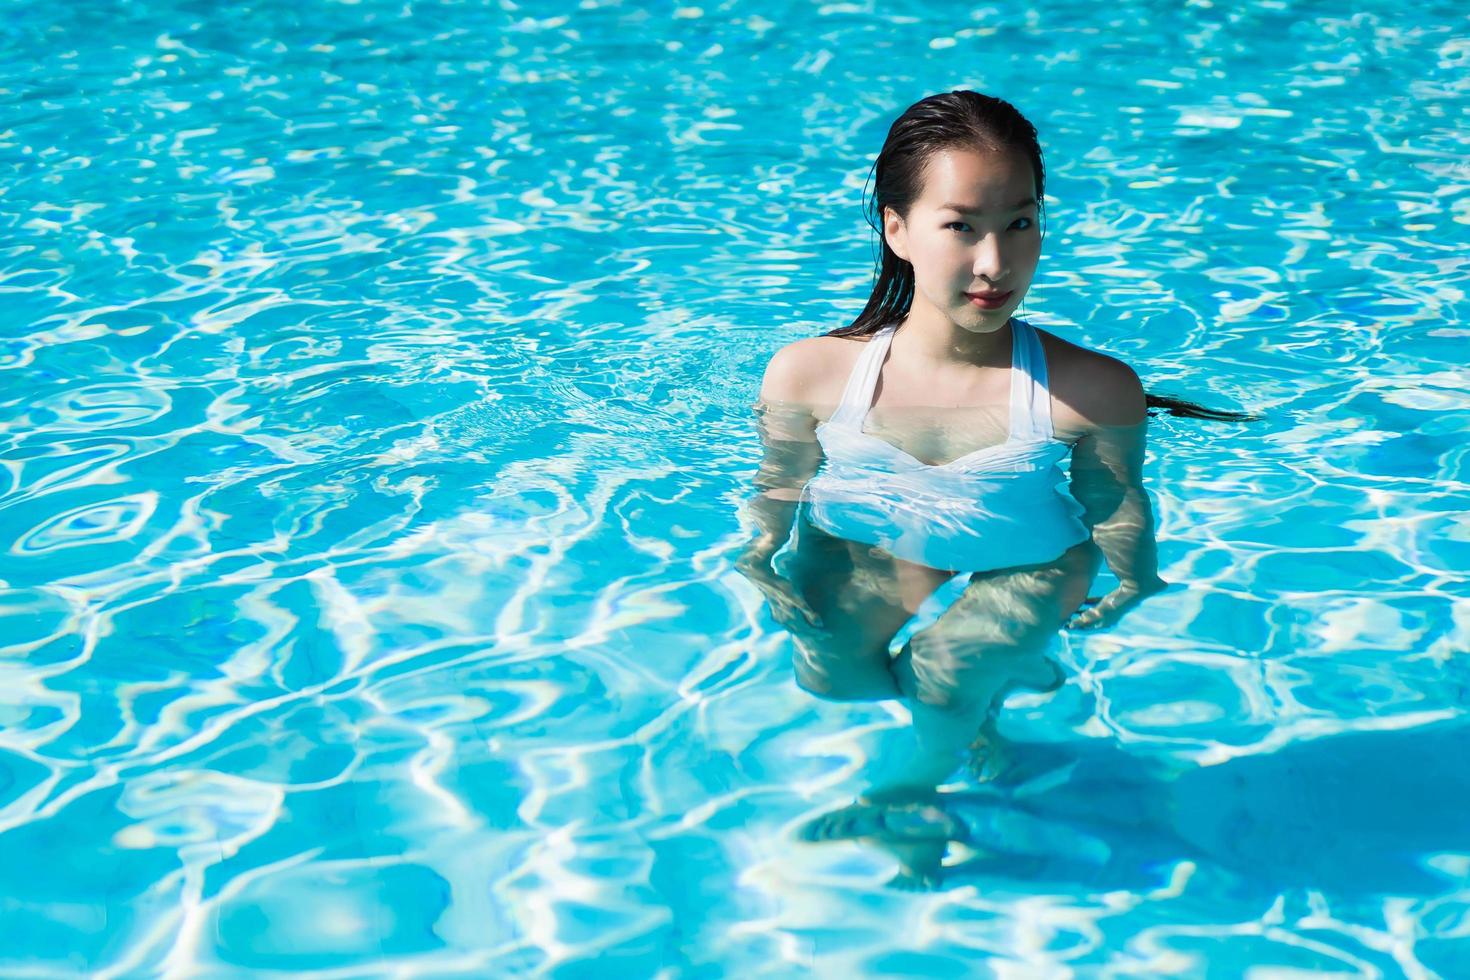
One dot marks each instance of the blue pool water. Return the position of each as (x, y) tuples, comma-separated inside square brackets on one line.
[(375, 423)]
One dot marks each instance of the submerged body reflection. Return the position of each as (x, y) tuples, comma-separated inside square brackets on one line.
[(954, 674), (997, 630)]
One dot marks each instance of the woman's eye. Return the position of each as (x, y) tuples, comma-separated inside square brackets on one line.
[(1027, 224)]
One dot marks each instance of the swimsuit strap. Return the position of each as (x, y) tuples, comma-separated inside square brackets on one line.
[(857, 396), (1030, 418), (1030, 386)]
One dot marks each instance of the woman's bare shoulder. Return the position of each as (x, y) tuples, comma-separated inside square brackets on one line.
[(807, 371), (1090, 389)]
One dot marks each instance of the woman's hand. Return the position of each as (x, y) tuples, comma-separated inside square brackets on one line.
[(787, 607), (1104, 612)]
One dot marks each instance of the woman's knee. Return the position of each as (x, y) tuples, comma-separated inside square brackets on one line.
[(846, 682), (810, 679), (940, 675), (928, 677)]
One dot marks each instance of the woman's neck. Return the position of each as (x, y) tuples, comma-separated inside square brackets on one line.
[(936, 340)]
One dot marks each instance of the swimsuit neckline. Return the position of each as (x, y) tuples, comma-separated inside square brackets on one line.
[(1010, 441)]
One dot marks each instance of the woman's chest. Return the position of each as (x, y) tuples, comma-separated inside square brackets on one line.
[(938, 435)]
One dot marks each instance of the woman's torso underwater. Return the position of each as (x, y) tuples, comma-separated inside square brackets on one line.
[(932, 476)]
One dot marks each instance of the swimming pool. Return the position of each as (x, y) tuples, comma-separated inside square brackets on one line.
[(375, 419)]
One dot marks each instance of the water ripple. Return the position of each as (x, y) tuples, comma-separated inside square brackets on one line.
[(374, 426)]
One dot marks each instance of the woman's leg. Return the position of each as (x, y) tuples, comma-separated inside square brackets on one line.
[(863, 596), (994, 638)]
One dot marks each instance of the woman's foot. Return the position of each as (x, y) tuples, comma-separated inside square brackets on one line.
[(991, 756), (885, 821), (916, 834), (919, 865)]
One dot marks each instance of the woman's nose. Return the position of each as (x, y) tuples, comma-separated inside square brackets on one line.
[(988, 259)]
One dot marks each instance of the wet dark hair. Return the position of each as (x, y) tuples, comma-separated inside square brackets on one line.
[(956, 120)]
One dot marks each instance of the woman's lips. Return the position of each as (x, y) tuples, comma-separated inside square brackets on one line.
[(988, 301)]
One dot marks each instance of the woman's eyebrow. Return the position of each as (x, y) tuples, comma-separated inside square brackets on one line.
[(971, 209)]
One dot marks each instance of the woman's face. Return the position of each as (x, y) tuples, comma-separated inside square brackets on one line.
[(973, 229)]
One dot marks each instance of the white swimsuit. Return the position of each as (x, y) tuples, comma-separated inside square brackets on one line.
[(998, 507)]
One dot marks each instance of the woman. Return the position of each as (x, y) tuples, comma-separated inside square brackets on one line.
[(922, 441)]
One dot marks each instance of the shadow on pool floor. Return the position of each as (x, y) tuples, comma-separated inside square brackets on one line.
[(1352, 814)]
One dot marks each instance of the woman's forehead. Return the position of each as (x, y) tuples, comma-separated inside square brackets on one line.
[(983, 180)]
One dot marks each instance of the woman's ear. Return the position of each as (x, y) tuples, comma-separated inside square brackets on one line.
[(895, 234)]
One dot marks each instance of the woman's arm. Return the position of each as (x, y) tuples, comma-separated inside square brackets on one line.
[(787, 430), (1107, 479), (787, 465)]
